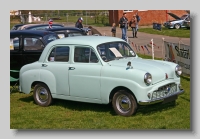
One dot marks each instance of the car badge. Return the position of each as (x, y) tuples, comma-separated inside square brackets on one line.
[(129, 66)]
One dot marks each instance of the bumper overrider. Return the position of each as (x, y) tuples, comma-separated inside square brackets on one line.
[(165, 99)]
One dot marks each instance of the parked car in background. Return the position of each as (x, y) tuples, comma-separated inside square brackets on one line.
[(100, 69), (26, 46), (38, 26), (68, 31), (178, 22), (15, 27)]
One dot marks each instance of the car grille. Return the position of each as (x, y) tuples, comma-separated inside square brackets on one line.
[(164, 91)]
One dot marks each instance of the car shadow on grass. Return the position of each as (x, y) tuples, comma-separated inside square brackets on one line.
[(74, 105), (154, 108), (84, 106)]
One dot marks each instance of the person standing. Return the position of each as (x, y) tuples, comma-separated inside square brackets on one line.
[(124, 25), (113, 30), (133, 25), (79, 23), (50, 23), (138, 20)]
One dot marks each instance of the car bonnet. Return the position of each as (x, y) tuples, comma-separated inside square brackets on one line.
[(156, 68), (174, 16)]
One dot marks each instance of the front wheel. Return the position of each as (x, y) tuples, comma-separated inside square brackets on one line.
[(177, 26), (42, 95), (124, 103)]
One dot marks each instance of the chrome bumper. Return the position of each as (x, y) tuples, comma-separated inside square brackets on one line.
[(163, 99)]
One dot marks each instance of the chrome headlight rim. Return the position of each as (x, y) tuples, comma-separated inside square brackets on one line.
[(178, 70), (147, 78)]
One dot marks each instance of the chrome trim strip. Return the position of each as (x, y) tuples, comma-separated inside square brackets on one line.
[(148, 102)]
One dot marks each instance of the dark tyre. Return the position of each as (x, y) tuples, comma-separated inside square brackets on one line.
[(124, 103), (177, 26), (42, 95)]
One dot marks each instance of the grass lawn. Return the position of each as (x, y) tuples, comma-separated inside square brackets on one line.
[(183, 32), (63, 114)]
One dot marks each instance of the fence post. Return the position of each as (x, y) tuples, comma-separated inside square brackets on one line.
[(163, 48), (152, 49), (67, 18), (86, 18)]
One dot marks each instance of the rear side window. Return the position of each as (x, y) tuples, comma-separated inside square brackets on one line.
[(59, 54), (75, 34), (33, 44), (85, 55), (14, 43), (51, 37)]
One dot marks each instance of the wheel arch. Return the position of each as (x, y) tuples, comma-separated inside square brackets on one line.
[(120, 88), (37, 82)]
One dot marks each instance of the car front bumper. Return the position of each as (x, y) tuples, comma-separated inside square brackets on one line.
[(165, 99)]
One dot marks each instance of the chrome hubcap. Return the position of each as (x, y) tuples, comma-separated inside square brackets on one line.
[(41, 95), (123, 104)]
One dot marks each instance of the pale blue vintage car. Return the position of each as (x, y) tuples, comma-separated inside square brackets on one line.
[(100, 69)]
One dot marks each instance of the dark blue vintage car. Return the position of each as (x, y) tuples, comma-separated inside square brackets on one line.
[(26, 46)]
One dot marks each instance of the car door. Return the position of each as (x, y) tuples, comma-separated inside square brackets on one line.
[(84, 73), (57, 64), (15, 52), (32, 49)]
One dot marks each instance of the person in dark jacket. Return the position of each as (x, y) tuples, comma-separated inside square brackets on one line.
[(124, 25), (79, 23)]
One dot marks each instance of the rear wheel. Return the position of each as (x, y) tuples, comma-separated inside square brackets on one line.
[(177, 26), (124, 103), (42, 95)]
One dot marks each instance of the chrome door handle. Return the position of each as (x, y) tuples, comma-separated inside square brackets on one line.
[(71, 68), (44, 65)]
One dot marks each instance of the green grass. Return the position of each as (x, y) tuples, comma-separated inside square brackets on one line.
[(148, 57), (183, 32), (63, 114)]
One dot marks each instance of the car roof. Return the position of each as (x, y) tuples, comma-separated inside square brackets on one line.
[(86, 40), (64, 28), (39, 25), (30, 32), (16, 25), (80, 40)]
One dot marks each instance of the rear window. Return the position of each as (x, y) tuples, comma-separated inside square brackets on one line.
[(44, 27), (51, 37), (14, 43)]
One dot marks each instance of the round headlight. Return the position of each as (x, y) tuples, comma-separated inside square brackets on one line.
[(178, 70), (147, 78)]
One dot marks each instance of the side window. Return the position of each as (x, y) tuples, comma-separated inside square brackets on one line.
[(85, 55), (33, 44), (61, 36), (51, 37), (75, 34), (60, 54), (14, 43), (38, 28)]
